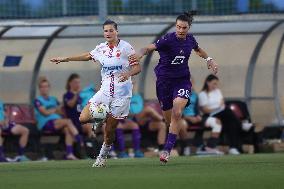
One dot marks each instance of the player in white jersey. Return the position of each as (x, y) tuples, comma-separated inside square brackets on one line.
[(116, 88)]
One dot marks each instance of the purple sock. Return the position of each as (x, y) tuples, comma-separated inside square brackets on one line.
[(78, 138), (69, 149), (21, 150), (171, 140), (136, 136), (1, 151), (120, 140), (112, 148)]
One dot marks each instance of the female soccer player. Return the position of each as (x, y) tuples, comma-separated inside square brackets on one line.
[(172, 85), (116, 88)]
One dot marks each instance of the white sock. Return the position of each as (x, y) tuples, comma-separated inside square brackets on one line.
[(105, 150)]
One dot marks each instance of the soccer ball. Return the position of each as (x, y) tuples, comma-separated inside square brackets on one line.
[(98, 112)]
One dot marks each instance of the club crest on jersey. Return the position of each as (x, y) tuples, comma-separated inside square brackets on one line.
[(118, 53), (181, 51), (178, 60)]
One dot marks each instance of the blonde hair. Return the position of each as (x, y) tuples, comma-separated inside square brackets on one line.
[(42, 79)]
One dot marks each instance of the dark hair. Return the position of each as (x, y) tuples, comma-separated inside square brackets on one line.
[(186, 17), (209, 78), (110, 22), (71, 78)]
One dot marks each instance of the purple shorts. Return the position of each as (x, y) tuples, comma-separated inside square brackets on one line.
[(7, 129), (49, 127), (169, 89)]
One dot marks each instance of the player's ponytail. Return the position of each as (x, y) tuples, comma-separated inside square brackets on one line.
[(186, 17)]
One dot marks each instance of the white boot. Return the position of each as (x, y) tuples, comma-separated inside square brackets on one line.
[(102, 158)]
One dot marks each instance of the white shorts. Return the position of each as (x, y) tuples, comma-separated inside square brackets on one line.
[(119, 107)]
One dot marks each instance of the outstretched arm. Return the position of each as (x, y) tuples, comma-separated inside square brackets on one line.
[(83, 57), (142, 52), (210, 63)]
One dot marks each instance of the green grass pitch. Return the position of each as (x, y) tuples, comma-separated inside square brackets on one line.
[(233, 172)]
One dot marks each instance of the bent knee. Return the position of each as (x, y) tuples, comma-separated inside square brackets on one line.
[(162, 126), (68, 122), (177, 113), (26, 131), (148, 109), (215, 124), (64, 130), (134, 126), (167, 123)]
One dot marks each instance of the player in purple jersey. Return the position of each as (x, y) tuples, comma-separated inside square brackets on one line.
[(172, 85)]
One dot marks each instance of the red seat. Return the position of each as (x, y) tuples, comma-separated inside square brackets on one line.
[(195, 127), (239, 108), (20, 113), (237, 111)]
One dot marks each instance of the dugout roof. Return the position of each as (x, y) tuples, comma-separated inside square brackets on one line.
[(249, 53)]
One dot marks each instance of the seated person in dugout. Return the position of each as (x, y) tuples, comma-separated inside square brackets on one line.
[(10, 128), (47, 112), (193, 117)]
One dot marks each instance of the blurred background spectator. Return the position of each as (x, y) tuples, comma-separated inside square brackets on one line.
[(193, 118), (9, 128), (212, 104), (47, 110)]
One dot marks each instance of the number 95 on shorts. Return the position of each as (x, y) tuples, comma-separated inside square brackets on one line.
[(167, 91)]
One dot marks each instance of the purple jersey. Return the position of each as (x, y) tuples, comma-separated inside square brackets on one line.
[(174, 55), (74, 112)]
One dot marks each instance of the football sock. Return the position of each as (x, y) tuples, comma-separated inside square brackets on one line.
[(105, 150), (78, 138), (69, 149), (171, 140), (1, 151), (136, 137), (21, 150), (120, 140)]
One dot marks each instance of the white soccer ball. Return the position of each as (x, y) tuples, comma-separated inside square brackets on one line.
[(98, 112)]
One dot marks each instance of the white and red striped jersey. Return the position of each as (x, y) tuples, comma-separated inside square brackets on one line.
[(114, 61)]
